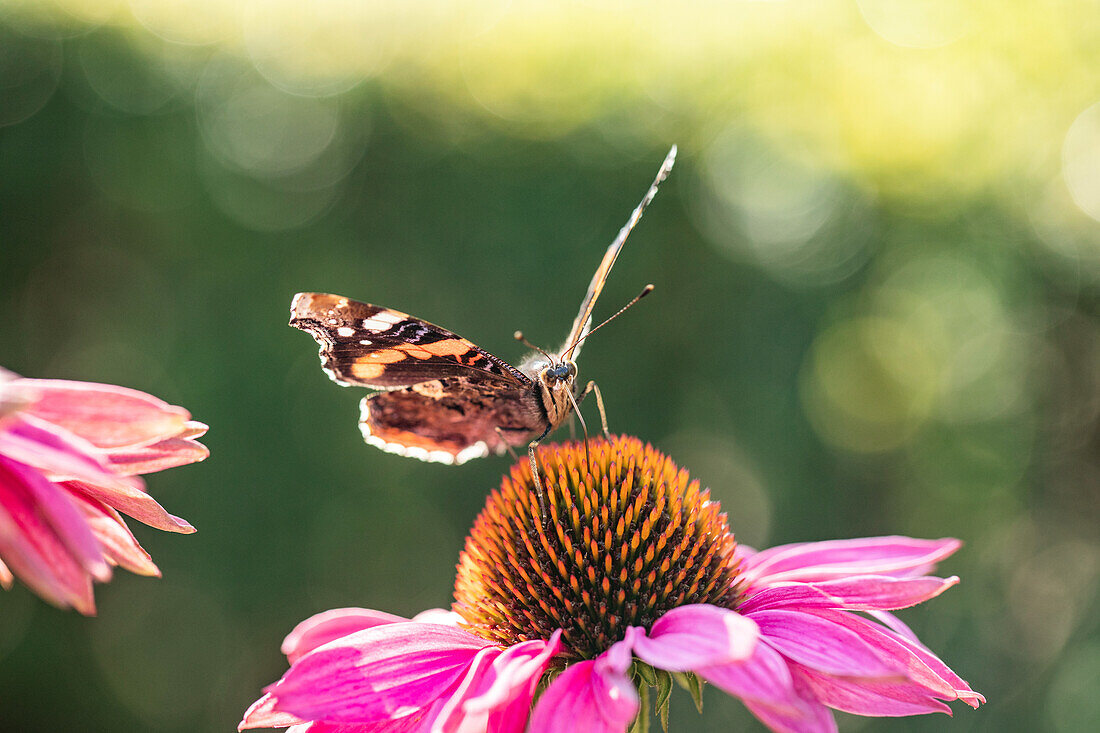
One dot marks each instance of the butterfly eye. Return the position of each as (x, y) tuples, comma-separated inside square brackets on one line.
[(561, 371)]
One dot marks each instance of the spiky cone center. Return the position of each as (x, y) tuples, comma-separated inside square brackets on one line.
[(624, 541)]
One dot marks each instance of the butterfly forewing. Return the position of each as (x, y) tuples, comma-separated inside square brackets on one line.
[(382, 348), (583, 320)]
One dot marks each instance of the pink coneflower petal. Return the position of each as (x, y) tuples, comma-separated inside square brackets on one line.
[(48, 503), (128, 497), (958, 687), (164, 454), (411, 724), (517, 669), (262, 714), (118, 543), (495, 695), (690, 637), (902, 654), (896, 625), (321, 628), (106, 415), (869, 697), (593, 696), (803, 715), (817, 561), (821, 644), (860, 593), (380, 673), (44, 540), (764, 677), (53, 451)]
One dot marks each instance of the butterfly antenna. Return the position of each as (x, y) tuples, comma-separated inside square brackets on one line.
[(518, 336), (645, 291)]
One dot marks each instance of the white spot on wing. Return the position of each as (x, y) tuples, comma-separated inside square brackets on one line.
[(366, 342), (477, 450), (345, 331), (332, 375), (381, 321)]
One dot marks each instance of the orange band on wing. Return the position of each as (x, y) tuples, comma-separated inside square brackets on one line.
[(447, 347), (387, 356), (363, 370)]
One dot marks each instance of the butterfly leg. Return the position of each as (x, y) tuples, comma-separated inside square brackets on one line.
[(584, 429), (535, 471), (591, 387), (511, 450)]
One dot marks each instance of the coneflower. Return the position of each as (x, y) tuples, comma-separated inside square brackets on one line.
[(631, 579)]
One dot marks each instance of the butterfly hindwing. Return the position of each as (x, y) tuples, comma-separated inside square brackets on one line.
[(378, 347), (450, 420)]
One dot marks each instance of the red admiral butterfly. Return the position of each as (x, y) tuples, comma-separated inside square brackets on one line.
[(444, 398)]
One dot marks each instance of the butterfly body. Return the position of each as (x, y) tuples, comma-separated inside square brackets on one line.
[(441, 398)]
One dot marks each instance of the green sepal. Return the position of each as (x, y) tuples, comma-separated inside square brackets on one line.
[(641, 723), (664, 694), (647, 674), (693, 684)]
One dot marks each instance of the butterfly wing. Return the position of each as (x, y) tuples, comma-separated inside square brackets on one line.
[(450, 420), (372, 346), (583, 320), (444, 398)]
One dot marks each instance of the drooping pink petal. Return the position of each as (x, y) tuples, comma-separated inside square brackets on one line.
[(324, 627), (447, 715), (50, 503), (821, 644), (869, 697), (381, 673), (930, 672), (53, 451), (858, 593), (888, 645), (694, 636), (128, 496), (894, 623), (117, 543), (262, 714), (763, 676), (588, 697), (167, 453), (409, 724), (193, 429), (805, 715), (106, 415), (818, 561), (32, 548), (500, 701)]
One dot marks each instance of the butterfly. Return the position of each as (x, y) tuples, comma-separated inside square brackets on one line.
[(442, 398)]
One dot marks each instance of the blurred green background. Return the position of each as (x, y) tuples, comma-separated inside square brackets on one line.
[(877, 266)]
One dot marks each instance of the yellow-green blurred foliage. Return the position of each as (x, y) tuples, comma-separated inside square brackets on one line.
[(877, 267)]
